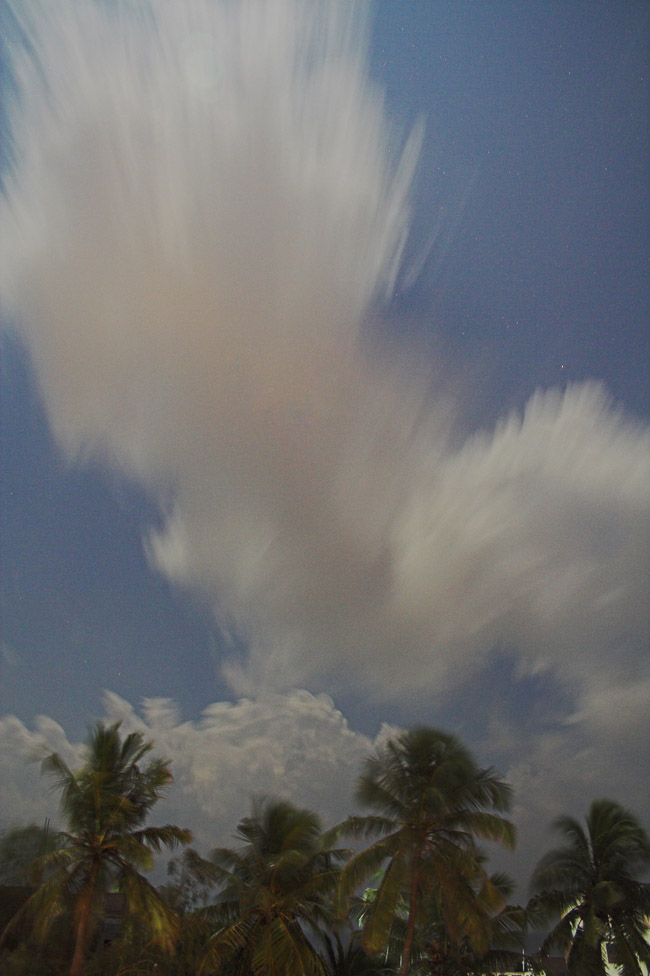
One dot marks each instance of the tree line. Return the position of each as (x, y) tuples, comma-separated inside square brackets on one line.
[(412, 895)]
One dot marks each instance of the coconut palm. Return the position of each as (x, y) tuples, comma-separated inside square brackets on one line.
[(190, 886), (433, 802), (347, 957), (20, 847), (107, 844), (497, 946), (276, 894), (592, 882)]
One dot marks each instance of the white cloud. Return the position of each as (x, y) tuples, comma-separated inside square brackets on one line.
[(25, 797), (534, 535), (192, 249), (295, 745), (301, 746), (192, 270), (199, 226)]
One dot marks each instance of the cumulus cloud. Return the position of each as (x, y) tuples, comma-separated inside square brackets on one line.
[(201, 221), (23, 794), (294, 745), (300, 746)]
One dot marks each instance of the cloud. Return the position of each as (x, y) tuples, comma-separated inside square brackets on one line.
[(300, 746), (601, 752), (295, 745), (200, 224), (23, 795)]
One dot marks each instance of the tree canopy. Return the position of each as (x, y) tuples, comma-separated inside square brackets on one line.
[(276, 888), (593, 882), (433, 803), (288, 900), (107, 844)]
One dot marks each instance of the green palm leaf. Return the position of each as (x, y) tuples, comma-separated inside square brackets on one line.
[(430, 804), (591, 882), (106, 804), (275, 890)]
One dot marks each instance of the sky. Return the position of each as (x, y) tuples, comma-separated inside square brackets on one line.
[(325, 395)]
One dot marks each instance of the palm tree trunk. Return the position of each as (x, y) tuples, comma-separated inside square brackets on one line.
[(413, 905), (83, 910)]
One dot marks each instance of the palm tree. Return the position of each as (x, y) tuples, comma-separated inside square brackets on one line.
[(591, 881), (347, 957), (19, 848), (497, 944), (276, 893), (190, 885), (433, 802), (107, 844)]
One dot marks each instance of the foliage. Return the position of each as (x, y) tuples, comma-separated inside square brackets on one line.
[(418, 899), (107, 845), (591, 881), (20, 847), (501, 949), (433, 802), (29, 958), (349, 958), (276, 893), (192, 878), (435, 954)]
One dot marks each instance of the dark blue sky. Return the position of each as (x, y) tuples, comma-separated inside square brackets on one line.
[(542, 110), (531, 218)]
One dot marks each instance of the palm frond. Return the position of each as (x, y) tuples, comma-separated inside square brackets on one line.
[(365, 865), (106, 804), (381, 911), (169, 835)]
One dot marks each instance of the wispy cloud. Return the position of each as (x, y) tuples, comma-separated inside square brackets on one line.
[(202, 219)]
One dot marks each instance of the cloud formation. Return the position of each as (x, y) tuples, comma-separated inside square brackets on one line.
[(601, 750), (295, 745), (203, 215), (300, 746)]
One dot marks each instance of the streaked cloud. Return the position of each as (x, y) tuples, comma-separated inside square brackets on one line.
[(202, 223), (194, 276)]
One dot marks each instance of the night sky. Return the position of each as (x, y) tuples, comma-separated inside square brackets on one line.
[(325, 394)]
